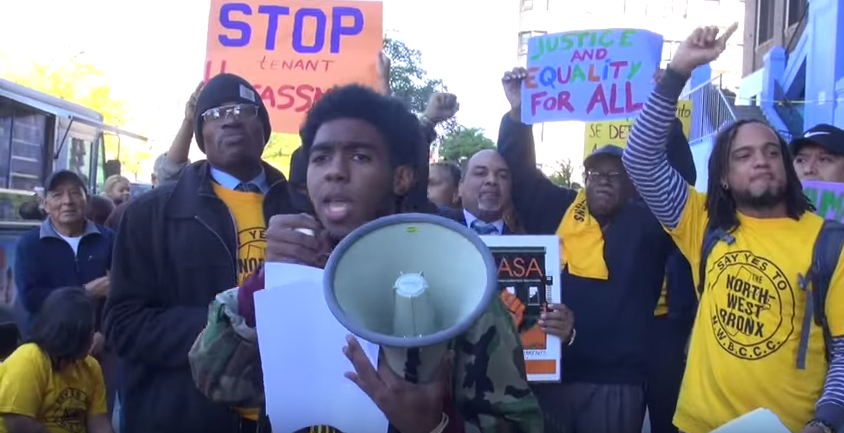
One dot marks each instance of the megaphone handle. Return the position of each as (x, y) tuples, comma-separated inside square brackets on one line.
[(411, 366)]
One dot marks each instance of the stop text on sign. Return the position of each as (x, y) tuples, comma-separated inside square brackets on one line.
[(294, 51), (321, 25)]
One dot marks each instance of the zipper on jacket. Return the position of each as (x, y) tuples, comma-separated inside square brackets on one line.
[(222, 241)]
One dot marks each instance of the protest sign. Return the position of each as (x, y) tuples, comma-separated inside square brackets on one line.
[(615, 132), (828, 198), (293, 51), (589, 75), (528, 269)]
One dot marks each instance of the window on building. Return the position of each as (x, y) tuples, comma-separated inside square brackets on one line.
[(796, 10), (527, 5), (23, 137), (764, 21), (523, 39)]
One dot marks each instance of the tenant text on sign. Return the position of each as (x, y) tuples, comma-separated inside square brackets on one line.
[(294, 51)]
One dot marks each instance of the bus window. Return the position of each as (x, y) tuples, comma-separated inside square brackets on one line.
[(23, 135)]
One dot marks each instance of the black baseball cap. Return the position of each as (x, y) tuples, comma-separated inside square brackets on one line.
[(826, 136), (608, 150), (61, 176)]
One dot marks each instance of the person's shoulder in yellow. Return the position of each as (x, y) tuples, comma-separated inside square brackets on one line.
[(51, 384)]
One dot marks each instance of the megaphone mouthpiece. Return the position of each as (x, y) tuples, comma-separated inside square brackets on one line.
[(414, 313)]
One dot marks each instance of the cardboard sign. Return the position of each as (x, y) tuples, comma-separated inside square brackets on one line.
[(293, 51), (615, 132), (589, 75)]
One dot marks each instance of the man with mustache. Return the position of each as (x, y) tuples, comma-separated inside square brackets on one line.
[(364, 157), (758, 339)]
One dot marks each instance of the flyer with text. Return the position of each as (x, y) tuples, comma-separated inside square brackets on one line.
[(529, 280)]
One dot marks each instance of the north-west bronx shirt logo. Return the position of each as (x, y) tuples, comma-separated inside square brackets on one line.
[(753, 305), (69, 411), (251, 251)]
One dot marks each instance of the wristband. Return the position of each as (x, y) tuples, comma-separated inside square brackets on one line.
[(443, 424), (573, 335)]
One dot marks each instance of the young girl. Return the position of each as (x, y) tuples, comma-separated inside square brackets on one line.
[(50, 384)]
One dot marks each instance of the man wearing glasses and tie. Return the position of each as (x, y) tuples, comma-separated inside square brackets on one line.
[(181, 244)]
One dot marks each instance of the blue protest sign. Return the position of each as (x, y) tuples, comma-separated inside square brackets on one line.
[(589, 75)]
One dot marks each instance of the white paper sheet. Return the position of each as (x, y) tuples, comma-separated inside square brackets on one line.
[(758, 421), (301, 355)]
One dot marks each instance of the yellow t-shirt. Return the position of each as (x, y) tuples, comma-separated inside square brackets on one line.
[(743, 350), (61, 400), (247, 208)]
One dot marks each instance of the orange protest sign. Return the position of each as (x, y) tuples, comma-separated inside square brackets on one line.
[(293, 51)]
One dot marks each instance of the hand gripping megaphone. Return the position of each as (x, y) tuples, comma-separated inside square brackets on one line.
[(410, 283)]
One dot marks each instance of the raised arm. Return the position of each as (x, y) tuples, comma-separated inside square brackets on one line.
[(539, 203), (646, 156)]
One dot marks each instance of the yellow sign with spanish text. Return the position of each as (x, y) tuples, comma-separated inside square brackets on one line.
[(615, 132)]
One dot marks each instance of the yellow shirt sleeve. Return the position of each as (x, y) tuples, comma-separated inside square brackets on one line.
[(23, 381), (688, 235), (97, 405)]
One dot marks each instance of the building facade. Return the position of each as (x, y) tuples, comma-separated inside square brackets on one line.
[(674, 19)]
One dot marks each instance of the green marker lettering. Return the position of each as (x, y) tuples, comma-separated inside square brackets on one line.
[(831, 202), (812, 194), (566, 41), (626, 36), (635, 67), (577, 74), (604, 41)]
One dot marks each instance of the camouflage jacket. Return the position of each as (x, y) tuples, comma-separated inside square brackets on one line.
[(491, 392)]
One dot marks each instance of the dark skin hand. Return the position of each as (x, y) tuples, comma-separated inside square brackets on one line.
[(410, 408), (558, 321), (285, 244)]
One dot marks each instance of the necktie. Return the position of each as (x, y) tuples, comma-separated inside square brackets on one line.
[(247, 187), (483, 228)]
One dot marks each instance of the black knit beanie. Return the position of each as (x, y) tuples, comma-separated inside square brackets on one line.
[(226, 88)]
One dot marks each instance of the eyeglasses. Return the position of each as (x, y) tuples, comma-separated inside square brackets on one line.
[(237, 112), (612, 176)]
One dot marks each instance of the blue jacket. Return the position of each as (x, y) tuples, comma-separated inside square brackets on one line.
[(45, 262)]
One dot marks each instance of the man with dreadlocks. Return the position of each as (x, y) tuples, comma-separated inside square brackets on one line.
[(749, 330)]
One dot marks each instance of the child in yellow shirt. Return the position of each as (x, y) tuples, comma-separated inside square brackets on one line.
[(50, 384)]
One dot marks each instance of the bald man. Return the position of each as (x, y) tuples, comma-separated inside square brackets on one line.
[(485, 194)]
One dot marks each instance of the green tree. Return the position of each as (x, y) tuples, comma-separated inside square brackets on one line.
[(279, 149), (561, 174), (409, 82), (460, 144), (83, 83)]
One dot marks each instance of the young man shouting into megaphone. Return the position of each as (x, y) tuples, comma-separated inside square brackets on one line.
[(364, 155)]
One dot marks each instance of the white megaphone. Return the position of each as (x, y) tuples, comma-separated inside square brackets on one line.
[(410, 283)]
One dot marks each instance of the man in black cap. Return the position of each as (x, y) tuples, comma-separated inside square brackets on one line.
[(181, 244), (66, 250), (819, 154)]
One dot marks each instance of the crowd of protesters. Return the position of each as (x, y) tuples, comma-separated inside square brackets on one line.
[(136, 314)]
